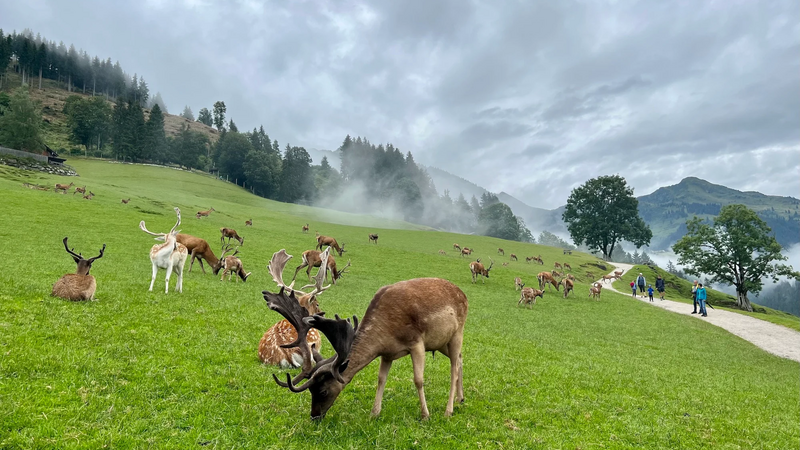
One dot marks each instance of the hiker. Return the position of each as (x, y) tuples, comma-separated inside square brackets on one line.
[(701, 299), (650, 292), (660, 287), (642, 283), (694, 296), (633, 289)]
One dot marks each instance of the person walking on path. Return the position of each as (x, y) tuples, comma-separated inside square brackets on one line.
[(633, 289), (641, 283), (694, 297), (701, 299), (650, 292), (660, 287)]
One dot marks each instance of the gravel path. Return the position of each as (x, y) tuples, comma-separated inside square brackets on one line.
[(775, 339)]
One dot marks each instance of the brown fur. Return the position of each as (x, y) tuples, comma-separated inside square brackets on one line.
[(513, 257), (63, 187), (204, 213), (329, 241), (477, 268), (528, 296), (199, 249), (518, 284), (282, 333), (546, 279), (311, 259), (230, 233), (500, 251), (126, 200), (248, 223), (305, 228), (373, 238)]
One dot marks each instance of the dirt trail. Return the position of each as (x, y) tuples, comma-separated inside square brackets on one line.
[(775, 339)]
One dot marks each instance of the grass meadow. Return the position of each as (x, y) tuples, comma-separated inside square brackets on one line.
[(147, 370)]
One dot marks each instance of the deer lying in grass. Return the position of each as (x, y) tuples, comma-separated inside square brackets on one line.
[(313, 258), (305, 229), (567, 266), (373, 238), (248, 223), (171, 255), (568, 286), (513, 257), (79, 285), (205, 213), (528, 296), (546, 279), (500, 251), (466, 251), (477, 268), (271, 349), (229, 233), (232, 265), (63, 187), (442, 252), (82, 190), (518, 284), (456, 247), (199, 249), (36, 187), (323, 241), (88, 196), (125, 200), (406, 318)]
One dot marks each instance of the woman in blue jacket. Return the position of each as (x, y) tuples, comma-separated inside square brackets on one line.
[(701, 299)]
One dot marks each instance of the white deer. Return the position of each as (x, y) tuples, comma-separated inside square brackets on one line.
[(171, 255)]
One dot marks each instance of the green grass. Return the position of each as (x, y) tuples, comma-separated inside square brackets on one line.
[(680, 290), (148, 370)]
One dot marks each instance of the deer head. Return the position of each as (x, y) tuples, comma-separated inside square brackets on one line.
[(84, 265)]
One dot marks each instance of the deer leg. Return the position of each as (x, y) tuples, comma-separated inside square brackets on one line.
[(169, 273), (383, 372), (418, 362), (179, 272), (454, 352), (298, 270), (153, 280)]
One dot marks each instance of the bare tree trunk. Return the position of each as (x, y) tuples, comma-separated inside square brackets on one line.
[(40, 78), (742, 301), (69, 83), (94, 85)]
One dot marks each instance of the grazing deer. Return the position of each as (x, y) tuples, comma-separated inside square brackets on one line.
[(617, 274), (171, 255), (442, 252), (205, 213), (248, 223), (477, 268), (126, 200), (518, 284), (200, 250), (567, 266), (232, 265), (528, 296), (330, 242), (373, 238), (456, 247), (513, 257), (305, 229), (79, 285), (229, 233), (313, 258), (406, 318), (63, 187), (546, 279), (501, 252), (466, 251), (557, 266), (538, 259), (608, 277), (594, 292), (88, 196), (271, 349), (82, 190), (568, 286), (557, 274), (528, 259), (571, 277)]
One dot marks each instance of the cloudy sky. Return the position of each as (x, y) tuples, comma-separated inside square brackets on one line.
[(531, 98)]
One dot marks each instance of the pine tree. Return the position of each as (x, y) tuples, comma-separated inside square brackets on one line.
[(187, 113), (219, 115), (155, 139), (204, 117)]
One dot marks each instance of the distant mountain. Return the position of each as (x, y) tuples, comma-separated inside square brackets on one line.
[(455, 184), (667, 209)]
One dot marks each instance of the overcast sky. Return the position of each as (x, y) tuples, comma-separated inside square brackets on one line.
[(531, 98)]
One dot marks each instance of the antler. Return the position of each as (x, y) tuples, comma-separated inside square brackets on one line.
[(344, 269), (319, 278), (226, 248), (75, 256), (178, 212), (143, 228), (91, 260), (490, 265), (340, 334), (276, 266)]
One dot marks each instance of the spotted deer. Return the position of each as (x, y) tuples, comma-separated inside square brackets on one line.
[(79, 285), (231, 265), (205, 213), (88, 196), (518, 284), (567, 267), (125, 200), (594, 292), (171, 255), (456, 247), (305, 228), (528, 296), (477, 268), (557, 266), (466, 251), (568, 286)]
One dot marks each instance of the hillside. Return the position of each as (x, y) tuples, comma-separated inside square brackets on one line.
[(139, 369)]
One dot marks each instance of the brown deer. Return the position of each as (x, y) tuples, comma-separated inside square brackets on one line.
[(538, 259), (466, 251), (229, 233), (594, 292), (313, 258), (305, 229), (373, 238), (477, 268), (546, 279), (271, 349), (88, 196), (125, 200), (568, 286), (501, 252), (528, 259), (608, 277), (205, 213), (571, 277), (330, 242), (232, 265), (171, 255), (567, 266), (557, 266), (505, 264), (200, 250), (528, 296), (63, 187), (248, 223), (518, 284), (456, 247), (442, 252), (557, 274), (406, 318), (513, 257), (82, 190), (618, 274), (79, 285)]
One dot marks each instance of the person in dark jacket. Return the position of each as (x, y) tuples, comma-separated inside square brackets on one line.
[(660, 287), (640, 281)]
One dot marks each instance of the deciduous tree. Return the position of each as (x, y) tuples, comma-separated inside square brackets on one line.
[(21, 122)]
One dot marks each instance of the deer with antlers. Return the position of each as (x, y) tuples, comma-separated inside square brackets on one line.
[(518, 284), (205, 213), (406, 318), (125, 200), (546, 279), (229, 233), (275, 347), (323, 241), (171, 255), (248, 223), (79, 285), (513, 257), (528, 296), (373, 238), (313, 258), (501, 252), (82, 190), (200, 250), (477, 268), (305, 229), (63, 187), (466, 251), (232, 265)]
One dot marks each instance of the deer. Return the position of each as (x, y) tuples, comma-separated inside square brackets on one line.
[(271, 348), (466, 251), (618, 274), (410, 317), (79, 285), (477, 268), (528, 259), (528, 296), (313, 258), (568, 286), (248, 223), (501, 252), (513, 257), (608, 277), (505, 264), (538, 259), (200, 250), (232, 265), (557, 274), (82, 190), (567, 266), (305, 229), (571, 277), (88, 196), (330, 242), (442, 252), (557, 265), (546, 279), (171, 255), (373, 238), (518, 284), (205, 213), (229, 233), (594, 292), (125, 200), (63, 187), (456, 247)]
